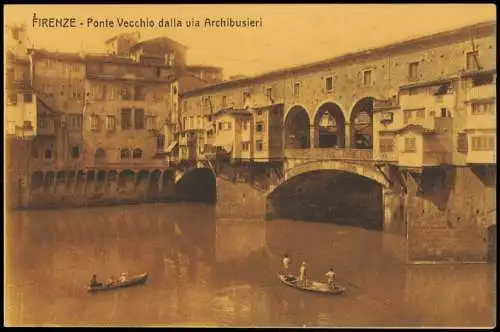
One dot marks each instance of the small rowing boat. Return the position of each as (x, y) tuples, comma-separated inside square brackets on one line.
[(134, 281), (311, 286)]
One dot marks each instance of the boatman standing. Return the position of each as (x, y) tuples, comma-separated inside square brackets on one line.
[(286, 262), (330, 277), (302, 274)]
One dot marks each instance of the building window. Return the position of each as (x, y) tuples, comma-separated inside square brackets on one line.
[(483, 143), (137, 154), (27, 125), (386, 145), (94, 122), (12, 99), (462, 144), (296, 89), (48, 154), (407, 114), (126, 94), (223, 102), (160, 142), (367, 77), (99, 153), (470, 60), (28, 98), (259, 126), (245, 124), (11, 127), (229, 125), (420, 113), (140, 93), (329, 83), (269, 93), (158, 71), (259, 145), (245, 146), (139, 118), (220, 124), (410, 144), (482, 108), (126, 118), (110, 123), (75, 152), (151, 122), (124, 154), (414, 70)]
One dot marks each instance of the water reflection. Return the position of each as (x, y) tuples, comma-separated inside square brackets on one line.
[(209, 270)]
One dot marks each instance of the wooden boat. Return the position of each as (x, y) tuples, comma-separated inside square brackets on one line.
[(311, 286), (134, 281)]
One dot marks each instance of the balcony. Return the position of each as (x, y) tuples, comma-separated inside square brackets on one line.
[(487, 91), (329, 154), (482, 157)]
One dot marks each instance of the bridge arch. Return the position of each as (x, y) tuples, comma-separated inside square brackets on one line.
[(316, 191), (366, 171), (197, 184), (361, 123), (329, 125), (297, 128)]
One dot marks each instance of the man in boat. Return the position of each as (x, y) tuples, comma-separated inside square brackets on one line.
[(302, 274), (123, 277), (112, 280), (330, 275), (94, 282), (286, 262)]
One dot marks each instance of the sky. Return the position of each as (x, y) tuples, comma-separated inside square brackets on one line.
[(290, 35)]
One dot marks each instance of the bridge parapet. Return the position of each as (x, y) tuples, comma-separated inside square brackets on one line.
[(330, 154)]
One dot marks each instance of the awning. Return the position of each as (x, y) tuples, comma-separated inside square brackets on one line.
[(171, 146)]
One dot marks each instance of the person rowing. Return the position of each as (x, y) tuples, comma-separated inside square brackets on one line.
[(94, 282)]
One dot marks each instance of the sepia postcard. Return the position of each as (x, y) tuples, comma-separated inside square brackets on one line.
[(250, 165)]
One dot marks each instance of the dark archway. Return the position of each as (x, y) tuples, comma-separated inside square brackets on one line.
[(297, 126), (167, 184), (37, 181), (198, 185), (49, 181), (126, 179), (321, 196), (329, 126), (361, 121), (154, 184)]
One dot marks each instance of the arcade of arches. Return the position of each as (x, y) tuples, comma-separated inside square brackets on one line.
[(330, 129)]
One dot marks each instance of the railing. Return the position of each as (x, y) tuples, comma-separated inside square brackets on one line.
[(330, 154)]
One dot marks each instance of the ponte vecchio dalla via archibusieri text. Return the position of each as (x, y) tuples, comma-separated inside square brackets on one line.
[(399, 138)]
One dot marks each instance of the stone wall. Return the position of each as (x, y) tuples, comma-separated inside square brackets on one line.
[(450, 219)]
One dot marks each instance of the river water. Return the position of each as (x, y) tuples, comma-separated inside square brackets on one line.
[(213, 271)]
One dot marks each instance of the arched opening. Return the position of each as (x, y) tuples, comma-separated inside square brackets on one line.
[(198, 185), (154, 184), (49, 181), (329, 126), (61, 177), (167, 184), (71, 179), (297, 129), (37, 182), (321, 196), (142, 179), (101, 181), (126, 179), (361, 120)]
